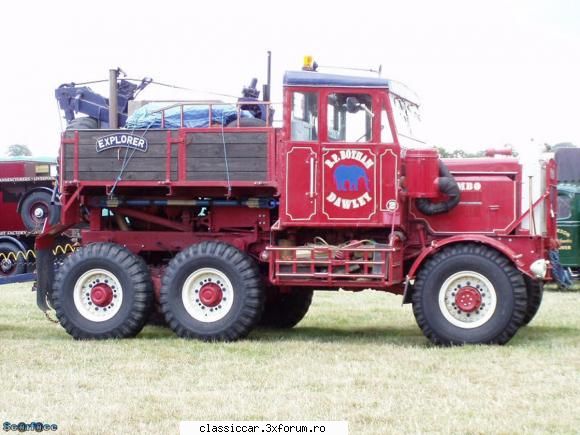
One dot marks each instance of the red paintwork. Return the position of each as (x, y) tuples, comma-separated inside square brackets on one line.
[(421, 172), (17, 169), (468, 299), (101, 295), (210, 294), (372, 201)]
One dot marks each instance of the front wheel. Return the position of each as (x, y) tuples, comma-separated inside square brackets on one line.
[(212, 291), (469, 293)]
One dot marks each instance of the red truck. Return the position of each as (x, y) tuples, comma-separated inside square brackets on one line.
[(26, 202), (232, 225)]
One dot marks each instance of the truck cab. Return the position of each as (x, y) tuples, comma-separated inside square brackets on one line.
[(341, 151)]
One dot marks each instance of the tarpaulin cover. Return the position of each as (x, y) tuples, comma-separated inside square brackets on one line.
[(149, 116)]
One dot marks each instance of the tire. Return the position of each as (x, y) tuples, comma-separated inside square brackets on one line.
[(120, 297), (12, 262), (248, 122), (36, 208), (535, 292), (83, 123), (228, 280), (286, 310), (469, 293)]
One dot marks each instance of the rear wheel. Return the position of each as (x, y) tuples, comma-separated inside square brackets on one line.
[(535, 290), (12, 261), (103, 291), (469, 293), (286, 310), (36, 209), (212, 291)]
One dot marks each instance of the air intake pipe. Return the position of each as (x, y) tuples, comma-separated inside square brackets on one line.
[(448, 186)]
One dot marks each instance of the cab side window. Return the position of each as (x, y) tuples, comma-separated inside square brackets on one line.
[(304, 116), (564, 207), (386, 133), (350, 117)]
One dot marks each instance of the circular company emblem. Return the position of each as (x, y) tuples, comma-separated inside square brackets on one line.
[(392, 205)]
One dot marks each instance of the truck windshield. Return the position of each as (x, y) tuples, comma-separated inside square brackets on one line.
[(408, 121)]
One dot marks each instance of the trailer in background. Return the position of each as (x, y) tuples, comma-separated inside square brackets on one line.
[(27, 200), (568, 161)]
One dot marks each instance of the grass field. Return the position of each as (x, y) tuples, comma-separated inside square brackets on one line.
[(356, 357)]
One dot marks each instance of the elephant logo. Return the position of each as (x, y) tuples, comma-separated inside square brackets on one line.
[(350, 175)]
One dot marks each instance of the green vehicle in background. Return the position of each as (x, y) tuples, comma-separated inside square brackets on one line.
[(568, 161)]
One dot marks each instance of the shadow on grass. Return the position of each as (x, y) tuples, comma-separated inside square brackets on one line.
[(404, 336), (547, 333)]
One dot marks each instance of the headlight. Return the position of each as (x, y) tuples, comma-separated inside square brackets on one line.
[(539, 268)]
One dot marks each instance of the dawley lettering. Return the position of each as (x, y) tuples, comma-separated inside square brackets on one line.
[(350, 179), (122, 140)]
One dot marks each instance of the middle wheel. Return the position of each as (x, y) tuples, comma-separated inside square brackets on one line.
[(212, 291)]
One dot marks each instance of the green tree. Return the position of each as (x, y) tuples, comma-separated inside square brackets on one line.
[(458, 154), (17, 150)]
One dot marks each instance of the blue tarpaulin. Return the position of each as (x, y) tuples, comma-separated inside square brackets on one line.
[(149, 116)]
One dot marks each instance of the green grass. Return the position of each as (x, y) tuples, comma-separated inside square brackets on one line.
[(356, 357)]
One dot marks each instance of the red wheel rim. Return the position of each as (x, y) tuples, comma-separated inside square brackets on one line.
[(210, 294), (101, 295), (468, 299)]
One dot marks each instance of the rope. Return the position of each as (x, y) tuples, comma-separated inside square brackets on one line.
[(127, 160), (190, 89), (225, 156)]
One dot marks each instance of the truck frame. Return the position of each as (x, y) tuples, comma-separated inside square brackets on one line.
[(225, 227)]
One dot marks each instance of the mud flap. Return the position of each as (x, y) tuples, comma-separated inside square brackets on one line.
[(408, 293), (45, 278)]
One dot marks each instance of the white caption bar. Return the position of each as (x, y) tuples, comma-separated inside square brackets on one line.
[(263, 427)]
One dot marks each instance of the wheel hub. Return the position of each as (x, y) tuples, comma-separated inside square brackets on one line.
[(210, 294), (6, 265), (468, 299), (101, 295), (38, 212)]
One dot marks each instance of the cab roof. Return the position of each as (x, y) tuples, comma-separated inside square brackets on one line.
[(308, 78)]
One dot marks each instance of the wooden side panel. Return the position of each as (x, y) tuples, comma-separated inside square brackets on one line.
[(246, 156), (204, 158), (132, 165)]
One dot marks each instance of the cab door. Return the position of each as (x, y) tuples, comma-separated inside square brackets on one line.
[(300, 159), (348, 156)]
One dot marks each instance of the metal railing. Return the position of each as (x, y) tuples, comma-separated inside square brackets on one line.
[(330, 263)]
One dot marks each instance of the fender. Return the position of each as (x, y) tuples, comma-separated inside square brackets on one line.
[(21, 246), (35, 189), (437, 245)]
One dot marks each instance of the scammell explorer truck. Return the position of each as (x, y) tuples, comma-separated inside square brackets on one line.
[(233, 223)]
